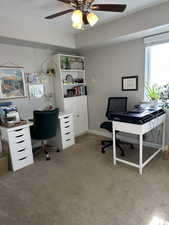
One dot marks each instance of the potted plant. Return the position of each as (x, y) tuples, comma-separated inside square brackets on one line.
[(164, 95), (153, 94)]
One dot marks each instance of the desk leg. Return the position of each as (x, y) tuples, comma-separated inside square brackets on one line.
[(141, 154), (114, 146), (163, 137)]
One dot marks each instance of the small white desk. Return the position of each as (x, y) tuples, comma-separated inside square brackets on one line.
[(138, 130)]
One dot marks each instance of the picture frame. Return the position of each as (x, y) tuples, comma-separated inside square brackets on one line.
[(130, 83), (12, 82)]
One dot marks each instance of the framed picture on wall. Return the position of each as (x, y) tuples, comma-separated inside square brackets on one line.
[(12, 82), (130, 83)]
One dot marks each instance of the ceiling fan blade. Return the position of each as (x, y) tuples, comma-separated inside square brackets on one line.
[(65, 1), (109, 7), (85, 21), (59, 14)]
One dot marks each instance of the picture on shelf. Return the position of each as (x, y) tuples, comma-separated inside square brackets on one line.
[(12, 82)]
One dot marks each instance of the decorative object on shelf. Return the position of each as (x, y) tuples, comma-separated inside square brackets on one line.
[(69, 78), (12, 82), (65, 64), (82, 14), (71, 92), (130, 83), (72, 63), (79, 80), (76, 91)]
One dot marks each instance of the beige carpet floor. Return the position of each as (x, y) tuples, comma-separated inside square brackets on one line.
[(80, 186)]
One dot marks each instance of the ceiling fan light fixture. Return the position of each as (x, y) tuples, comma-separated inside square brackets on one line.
[(92, 18), (77, 16), (77, 26)]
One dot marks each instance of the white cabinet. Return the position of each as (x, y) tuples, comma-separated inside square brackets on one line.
[(78, 106), (19, 142)]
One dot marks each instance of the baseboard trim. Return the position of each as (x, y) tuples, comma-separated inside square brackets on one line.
[(124, 138)]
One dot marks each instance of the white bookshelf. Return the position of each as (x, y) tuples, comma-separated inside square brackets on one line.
[(71, 95)]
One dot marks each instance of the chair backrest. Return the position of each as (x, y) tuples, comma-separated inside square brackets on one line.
[(46, 123), (116, 105)]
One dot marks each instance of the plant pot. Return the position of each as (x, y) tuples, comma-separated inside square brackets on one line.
[(154, 103)]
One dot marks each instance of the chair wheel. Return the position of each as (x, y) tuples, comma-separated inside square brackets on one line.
[(122, 154), (132, 146), (58, 150), (103, 151), (47, 157)]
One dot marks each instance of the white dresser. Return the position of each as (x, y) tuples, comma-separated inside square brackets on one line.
[(66, 131), (19, 142)]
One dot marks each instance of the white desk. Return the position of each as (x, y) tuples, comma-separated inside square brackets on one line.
[(138, 130)]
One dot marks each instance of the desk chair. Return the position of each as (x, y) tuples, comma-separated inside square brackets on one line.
[(45, 127), (115, 105)]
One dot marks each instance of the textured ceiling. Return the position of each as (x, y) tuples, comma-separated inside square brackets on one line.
[(34, 11)]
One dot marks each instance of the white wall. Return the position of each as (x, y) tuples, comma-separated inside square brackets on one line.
[(105, 67), (30, 59)]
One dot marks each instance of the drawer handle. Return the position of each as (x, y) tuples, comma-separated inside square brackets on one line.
[(18, 130), (20, 142), (67, 121), (67, 126), (66, 117), (22, 158), (67, 133), (19, 136), (22, 150), (68, 139)]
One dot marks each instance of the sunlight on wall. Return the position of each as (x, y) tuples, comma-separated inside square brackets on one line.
[(158, 221)]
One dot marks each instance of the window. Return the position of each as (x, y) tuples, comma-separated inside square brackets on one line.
[(157, 64)]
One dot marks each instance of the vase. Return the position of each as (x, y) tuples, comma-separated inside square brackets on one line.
[(154, 103)]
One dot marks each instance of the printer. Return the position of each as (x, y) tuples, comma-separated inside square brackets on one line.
[(9, 113), (138, 117)]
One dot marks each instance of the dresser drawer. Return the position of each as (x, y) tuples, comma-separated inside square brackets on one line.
[(68, 142), (68, 135), (19, 139), (66, 121), (24, 152), (19, 132), (22, 162), (66, 129)]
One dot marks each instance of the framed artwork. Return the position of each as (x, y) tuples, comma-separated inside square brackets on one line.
[(12, 82), (130, 83), (36, 90)]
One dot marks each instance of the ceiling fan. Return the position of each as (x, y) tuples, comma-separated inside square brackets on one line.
[(82, 14)]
